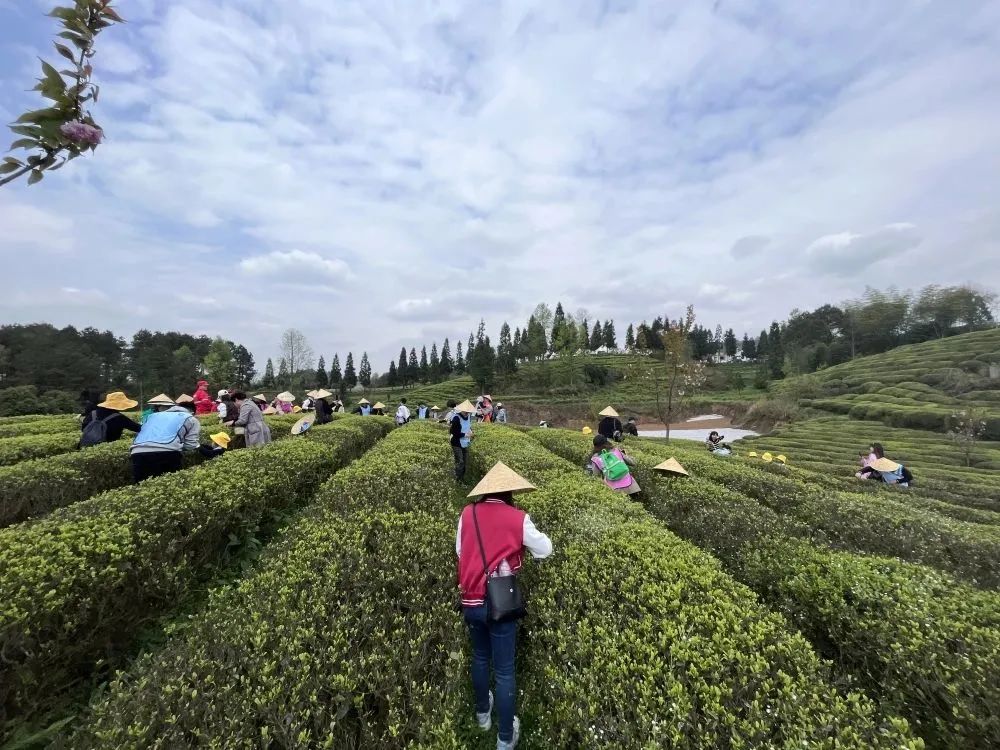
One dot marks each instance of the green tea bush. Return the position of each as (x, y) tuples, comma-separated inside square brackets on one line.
[(15, 449), (49, 426), (345, 635), (638, 639), (924, 644), (75, 584)]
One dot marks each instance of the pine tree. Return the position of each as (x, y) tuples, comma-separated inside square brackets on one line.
[(762, 345), (718, 340), (392, 378), (365, 371), (748, 348), (558, 327), (596, 337), (435, 364), (775, 352), (424, 367), (282, 381), (610, 339), (583, 338), (730, 343), (482, 364), (506, 358), (336, 377), (412, 366), (630, 338), (459, 359), (642, 337), (268, 379), (322, 379), (447, 366), (536, 344), (470, 349), (350, 376), (401, 369)]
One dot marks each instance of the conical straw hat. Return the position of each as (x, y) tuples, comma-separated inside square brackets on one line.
[(435, 408), (884, 464), (364, 401), (311, 394), (321, 393), (270, 410), (378, 405), (185, 399), (466, 407), (608, 412), (260, 397), (286, 396), (302, 425), (501, 478), (673, 466), (162, 400)]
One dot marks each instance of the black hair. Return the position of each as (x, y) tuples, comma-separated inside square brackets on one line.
[(879, 451), (600, 440), (238, 396), (189, 405), (507, 497), (402, 400), (452, 403)]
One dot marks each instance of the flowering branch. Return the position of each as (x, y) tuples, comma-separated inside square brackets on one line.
[(65, 130)]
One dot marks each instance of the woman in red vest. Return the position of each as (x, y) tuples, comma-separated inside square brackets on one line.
[(492, 536)]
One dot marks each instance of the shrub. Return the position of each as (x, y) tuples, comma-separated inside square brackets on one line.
[(15, 449), (973, 366), (872, 386), (75, 584)]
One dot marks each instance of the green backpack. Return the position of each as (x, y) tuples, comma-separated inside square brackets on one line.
[(614, 467)]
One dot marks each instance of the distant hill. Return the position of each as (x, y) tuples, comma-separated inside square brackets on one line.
[(919, 386)]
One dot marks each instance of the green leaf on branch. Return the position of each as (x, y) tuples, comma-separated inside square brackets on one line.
[(65, 51), (32, 131), (111, 13), (35, 176), (38, 115), (74, 37), (51, 74), (66, 14), (8, 168), (23, 143)]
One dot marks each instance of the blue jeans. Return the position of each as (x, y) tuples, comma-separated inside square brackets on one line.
[(499, 641)]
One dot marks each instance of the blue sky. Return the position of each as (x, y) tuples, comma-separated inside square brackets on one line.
[(380, 174)]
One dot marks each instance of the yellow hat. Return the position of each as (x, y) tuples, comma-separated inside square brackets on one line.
[(672, 466), (184, 399), (608, 412), (296, 409), (752, 454), (586, 431), (221, 439), (884, 464), (466, 407), (781, 458), (162, 400), (767, 457), (286, 396), (501, 478), (302, 425), (364, 401), (118, 401), (270, 410)]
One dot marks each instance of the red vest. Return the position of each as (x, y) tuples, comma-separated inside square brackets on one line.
[(502, 529)]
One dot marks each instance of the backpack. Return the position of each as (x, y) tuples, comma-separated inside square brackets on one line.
[(96, 431), (614, 468)]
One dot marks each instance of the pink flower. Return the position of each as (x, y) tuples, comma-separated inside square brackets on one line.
[(81, 132)]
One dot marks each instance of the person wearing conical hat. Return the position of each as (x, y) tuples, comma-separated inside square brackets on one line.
[(492, 537), (364, 407), (610, 425), (613, 465), (108, 413), (321, 406), (461, 436), (251, 421), (378, 409), (164, 438), (160, 402)]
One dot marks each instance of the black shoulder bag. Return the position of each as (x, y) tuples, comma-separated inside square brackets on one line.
[(503, 594)]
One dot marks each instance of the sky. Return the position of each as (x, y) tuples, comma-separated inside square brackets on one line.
[(379, 174)]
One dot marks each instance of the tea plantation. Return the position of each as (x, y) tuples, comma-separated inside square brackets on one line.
[(303, 595)]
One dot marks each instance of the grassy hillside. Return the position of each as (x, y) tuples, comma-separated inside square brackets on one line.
[(919, 386)]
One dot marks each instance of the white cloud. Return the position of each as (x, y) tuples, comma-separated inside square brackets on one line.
[(295, 266), (848, 254)]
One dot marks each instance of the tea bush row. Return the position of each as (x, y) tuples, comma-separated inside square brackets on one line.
[(27, 447), (76, 584)]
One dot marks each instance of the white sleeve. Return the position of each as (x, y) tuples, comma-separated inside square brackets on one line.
[(537, 543), (458, 539)]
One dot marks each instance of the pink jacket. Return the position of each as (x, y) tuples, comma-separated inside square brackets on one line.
[(617, 484)]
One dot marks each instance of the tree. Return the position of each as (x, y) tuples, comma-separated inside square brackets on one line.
[(533, 339), (336, 377), (435, 364), (350, 376), (729, 341), (947, 310), (447, 366), (365, 371), (543, 316), (965, 429), (642, 338), (65, 129), (596, 336), (483, 361), (322, 379), (775, 353), (748, 348), (392, 378), (470, 349), (583, 336), (459, 359), (185, 370), (629, 338), (506, 358), (675, 374), (610, 339), (219, 365), (557, 339), (283, 374), (412, 366), (268, 380), (762, 345), (718, 340), (244, 366), (424, 366), (402, 370), (295, 350)]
